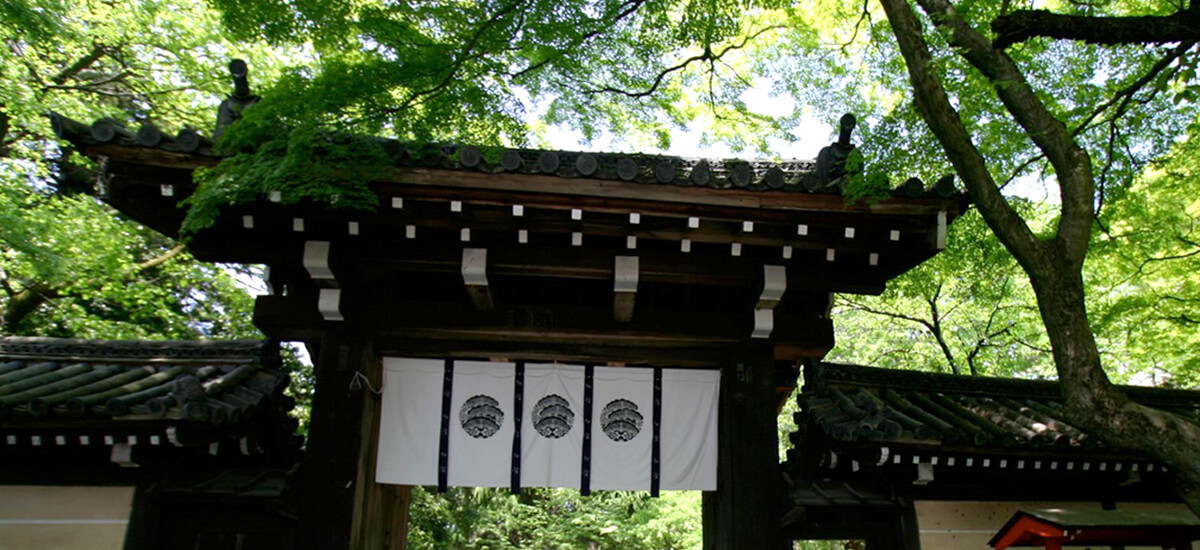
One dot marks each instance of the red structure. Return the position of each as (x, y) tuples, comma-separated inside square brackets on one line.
[(1053, 529)]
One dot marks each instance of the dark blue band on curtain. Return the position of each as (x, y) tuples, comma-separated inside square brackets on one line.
[(585, 474), (444, 437), (518, 416), (655, 446)]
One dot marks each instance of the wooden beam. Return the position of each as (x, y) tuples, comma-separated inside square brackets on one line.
[(448, 320), (152, 157), (693, 356), (138, 188), (379, 257), (493, 214), (577, 331), (585, 187)]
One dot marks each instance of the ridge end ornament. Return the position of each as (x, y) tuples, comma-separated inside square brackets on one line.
[(831, 160)]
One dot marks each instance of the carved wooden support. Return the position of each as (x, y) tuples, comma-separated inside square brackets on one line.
[(625, 282), (474, 272)]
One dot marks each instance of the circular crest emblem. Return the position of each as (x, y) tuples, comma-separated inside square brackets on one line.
[(621, 420), (481, 416), (552, 416)]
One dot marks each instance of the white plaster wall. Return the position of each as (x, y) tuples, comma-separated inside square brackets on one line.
[(954, 525), (64, 518)]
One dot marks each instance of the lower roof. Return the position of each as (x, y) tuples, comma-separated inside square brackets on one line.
[(865, 405), (210, 382), (82, 403), (944, 437)]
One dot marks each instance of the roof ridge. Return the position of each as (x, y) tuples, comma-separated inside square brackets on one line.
[(753, 174), (866, 376), (25, 347), (862, 375)]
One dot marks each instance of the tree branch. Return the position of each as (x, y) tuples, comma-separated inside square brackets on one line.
[(864, 16), (707, 55), (1072, 164), (986, 340), (900, 316), (80, 64), (1125, 95), (161, 258), (934, 326), (630, 7), (464, 55), (25, 302), (1021, 25), (935, 107)]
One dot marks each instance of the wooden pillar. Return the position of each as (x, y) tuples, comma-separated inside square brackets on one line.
[(333, 488), (141, 533), (746, 509), (894, 530), (383, 523), (909, 530), (381, 511)]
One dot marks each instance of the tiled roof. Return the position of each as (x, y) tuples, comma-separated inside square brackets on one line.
[(200, 382), (854, 404), (243, 483), (789, 175), (838, 493)]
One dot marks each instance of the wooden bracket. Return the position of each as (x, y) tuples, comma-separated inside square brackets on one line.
[(316, 262), (122, 455), (941, 230), (625, 282), (329, 304), (774, 285), (764, 323), (924, 473), (474, 273)]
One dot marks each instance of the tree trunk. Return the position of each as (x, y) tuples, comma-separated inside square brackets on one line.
[(1091, 402), (1054, 265), (3, 126)]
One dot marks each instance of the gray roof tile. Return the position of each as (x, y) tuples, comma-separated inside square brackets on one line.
[(205, 382)]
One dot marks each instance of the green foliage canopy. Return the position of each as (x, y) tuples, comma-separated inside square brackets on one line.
[(554, 519), (68, 267)]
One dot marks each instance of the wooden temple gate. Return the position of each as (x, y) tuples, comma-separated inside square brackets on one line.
[(552, 256)]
